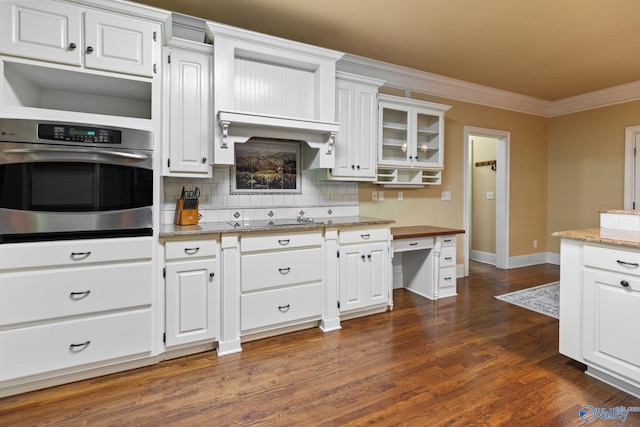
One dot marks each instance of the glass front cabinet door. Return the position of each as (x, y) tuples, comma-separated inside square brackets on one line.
[(411, 133)]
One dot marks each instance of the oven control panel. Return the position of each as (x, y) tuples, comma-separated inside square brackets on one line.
[(84, 134)]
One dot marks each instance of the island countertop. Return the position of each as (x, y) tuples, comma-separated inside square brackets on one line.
[(415, 231), (609, 236)]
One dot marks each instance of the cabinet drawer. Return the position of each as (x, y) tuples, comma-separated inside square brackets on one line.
[(279, 306), (622, 261), (448, 240), (448, 256), (269, 242), (416, 244), (190, 249), (48, 294), (74, 252), (362, 235), (447, 277), (272, 269), (73, 343)]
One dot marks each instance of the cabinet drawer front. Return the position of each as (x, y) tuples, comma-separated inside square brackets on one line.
[(447, 277), (74, 343), (268, 270), (448, 256), (416, 244), (362, 235), (622, 261), (35, 296), (279, 241), (278, 306), (74, 252), (190, 249), (448, 240)]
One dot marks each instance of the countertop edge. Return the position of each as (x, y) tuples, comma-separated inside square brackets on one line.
[(417, 231), (602, 235)]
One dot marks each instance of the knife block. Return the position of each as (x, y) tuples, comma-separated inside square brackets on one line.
[(185, 216)]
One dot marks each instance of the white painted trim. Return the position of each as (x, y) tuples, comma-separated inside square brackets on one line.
[(630, 136), (553, 258), (483, 257), (502, 193), (530, 259), (436, 85)]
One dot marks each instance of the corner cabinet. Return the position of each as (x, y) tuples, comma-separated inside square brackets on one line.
[(188, 108), (364, 271), (411, 144), (50, 31), (357, 113)]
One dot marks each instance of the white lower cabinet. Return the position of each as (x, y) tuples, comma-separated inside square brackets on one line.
[(280, 280), (364, 269), (69, 306), (192, 292)]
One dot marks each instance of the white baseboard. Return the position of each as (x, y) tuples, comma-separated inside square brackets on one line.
[(518, 261)]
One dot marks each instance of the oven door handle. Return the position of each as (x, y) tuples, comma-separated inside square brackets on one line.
[(77, 150)]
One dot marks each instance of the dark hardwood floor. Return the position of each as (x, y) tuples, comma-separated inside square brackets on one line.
[(468, 360)]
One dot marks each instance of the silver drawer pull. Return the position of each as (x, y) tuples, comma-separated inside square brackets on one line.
[(79, 347), (365, 236), (284, 308), (191, 251), (79, 295), (80, 255), (448, 258), (413, 244), (628, 264), (447, 240), (448, 279), (284, 270), (284, 242)]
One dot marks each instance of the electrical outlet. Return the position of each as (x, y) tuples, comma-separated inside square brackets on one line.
[(374, 196), (535, 244), (380, 196), (400, 195), (490, 195)]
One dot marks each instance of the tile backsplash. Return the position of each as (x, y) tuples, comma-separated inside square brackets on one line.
[(319, 198)]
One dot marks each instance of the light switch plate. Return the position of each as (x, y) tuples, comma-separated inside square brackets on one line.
[(446, 195)]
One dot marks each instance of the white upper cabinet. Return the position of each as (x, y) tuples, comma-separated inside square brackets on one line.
[(357, 113), (55, 32), (188, 139), (411, 146)]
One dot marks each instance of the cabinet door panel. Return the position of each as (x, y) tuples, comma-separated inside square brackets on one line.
[(352, 265), (118, 44), (192, 296), (377, 273), (345, 116), (366, 132), (41, 30), (611, 313), (189, 110)]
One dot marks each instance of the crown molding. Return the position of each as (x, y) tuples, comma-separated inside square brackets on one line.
[(409, 79)]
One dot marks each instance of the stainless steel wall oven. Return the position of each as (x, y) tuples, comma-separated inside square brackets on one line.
[(72, 181)]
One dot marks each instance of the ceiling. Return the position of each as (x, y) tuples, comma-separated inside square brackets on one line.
[(547, 49)]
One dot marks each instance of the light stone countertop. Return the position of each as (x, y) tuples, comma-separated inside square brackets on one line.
[(603, 235), (168, 231)]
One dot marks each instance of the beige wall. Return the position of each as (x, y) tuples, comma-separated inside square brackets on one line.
[(586, 166), (528, 180), (483, 209)]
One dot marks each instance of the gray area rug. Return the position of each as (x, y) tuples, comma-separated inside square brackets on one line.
[(544, 299)]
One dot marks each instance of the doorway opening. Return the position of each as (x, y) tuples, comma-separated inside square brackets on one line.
[(500, 195)]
